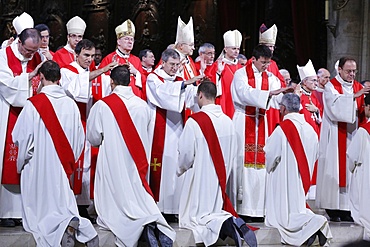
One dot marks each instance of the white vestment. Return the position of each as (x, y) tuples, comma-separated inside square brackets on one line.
[(79, 88), (337, 108), (14, 91), (285, 197), (201, 202), (48, 201), (168, 95), (122, 203), (252, 178), (359, 157)]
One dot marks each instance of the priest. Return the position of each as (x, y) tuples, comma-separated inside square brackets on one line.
[(291, 152)]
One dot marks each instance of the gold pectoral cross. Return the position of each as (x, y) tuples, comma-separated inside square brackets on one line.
[(155, 165)]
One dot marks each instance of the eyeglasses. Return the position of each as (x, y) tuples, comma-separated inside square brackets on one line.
[(210, 53), (349, 71), (173, 65), (28, 50), (314, 80), (128, 38), (74, 36)]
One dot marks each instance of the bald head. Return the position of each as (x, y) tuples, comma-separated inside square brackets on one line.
[(323, 77)]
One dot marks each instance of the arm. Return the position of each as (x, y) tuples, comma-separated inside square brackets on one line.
[(94, 127), (186, 147), (273, 149), (355, 150)]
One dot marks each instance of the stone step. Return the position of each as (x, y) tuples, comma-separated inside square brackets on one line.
[(342, 233)]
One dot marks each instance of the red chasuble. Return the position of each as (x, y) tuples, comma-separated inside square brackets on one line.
[(227, 75), (60, 141), (63, 57), (130, 136), (188, 75), (342, 130), (9, 174), (135, 61), (309, 116), (158, 147), (254, 155)]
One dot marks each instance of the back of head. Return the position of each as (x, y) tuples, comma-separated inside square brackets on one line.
[(42, 27), (208, 89), (50, 70), (166, 54), (367, 99), (120, 75), (291, 102), (84, 44), (261, 51), (30, 33)]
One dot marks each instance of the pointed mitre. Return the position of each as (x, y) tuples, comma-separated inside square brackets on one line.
[(268, 36), (185, 32), (306, 71), (76, 25), (232, 38), (22, 22), (127, 28)]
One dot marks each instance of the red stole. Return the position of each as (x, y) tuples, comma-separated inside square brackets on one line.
[(342, 131), (63, 57), (254, 154), (295, 143), (9, 174), (60, 141), (130, 136), (157, 148), (209, 132), (305, 99), (188, 76)]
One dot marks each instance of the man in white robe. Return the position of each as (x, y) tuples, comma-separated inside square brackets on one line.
[(343, 112), (202, 207), (120, 178), (78, 82), (168, 95), (19, 64), (49, 206), (288, 179), (359, 158), (253, 91)]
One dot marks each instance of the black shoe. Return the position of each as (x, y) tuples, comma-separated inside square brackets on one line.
[(311, 239), (149, 236), (347, 218), (229, 230), (335, 219), (247, 234), (82, 210), (322, 238), (7, 223), (171, 218), (164, 240)]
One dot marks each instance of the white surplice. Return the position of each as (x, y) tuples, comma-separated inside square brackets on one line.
[(285, 197), (252, 178), (79, 88), (168, 95), (337, 108), (122, 203), (359, 157), (14, 90), (201, 202), (48, 201)]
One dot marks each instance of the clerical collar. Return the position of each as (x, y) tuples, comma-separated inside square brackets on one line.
[(305, 92), (228, 61), (343, 82), (148, 69), (121, 54)]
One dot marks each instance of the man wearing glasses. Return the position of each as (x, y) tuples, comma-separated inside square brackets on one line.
[(343, 112), (76, 29)]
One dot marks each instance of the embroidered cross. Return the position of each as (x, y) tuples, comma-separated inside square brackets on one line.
[(155, 164)]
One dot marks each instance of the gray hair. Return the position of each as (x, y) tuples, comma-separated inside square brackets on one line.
[(205, 46), (166, 54), (291, 102)]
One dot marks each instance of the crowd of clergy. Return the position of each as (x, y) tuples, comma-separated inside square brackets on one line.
[(210, 144)]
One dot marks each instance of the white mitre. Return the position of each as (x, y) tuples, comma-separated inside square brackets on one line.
[(76, 26), (268, 36), (232, 38), (306, 71), (22, 22), (185, 32)]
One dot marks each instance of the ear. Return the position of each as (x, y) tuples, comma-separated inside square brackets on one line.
[(254, 59)]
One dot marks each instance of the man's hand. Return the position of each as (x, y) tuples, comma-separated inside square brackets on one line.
[(364, 90), (35, 71), (284, 90), (311, 107), (220, 66), (194, 79), (110, 66), (9, 42), (132, 69)]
